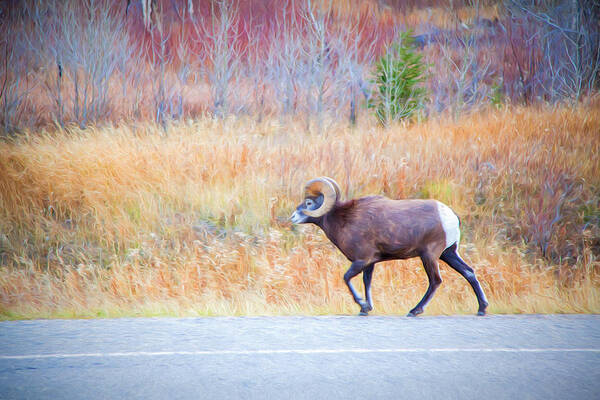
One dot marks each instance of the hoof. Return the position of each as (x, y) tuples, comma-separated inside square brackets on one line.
[(482, 307), (363, 313), (414, 313), (364, 308)]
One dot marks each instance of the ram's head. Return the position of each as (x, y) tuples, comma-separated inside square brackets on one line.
[(320, 195)]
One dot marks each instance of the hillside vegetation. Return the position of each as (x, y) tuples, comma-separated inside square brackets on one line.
[(126, 220), (152, 151)]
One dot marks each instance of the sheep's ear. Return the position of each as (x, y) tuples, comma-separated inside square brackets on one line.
[(321, 186)]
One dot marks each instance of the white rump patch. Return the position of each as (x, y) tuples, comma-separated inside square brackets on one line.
[(449, 224)]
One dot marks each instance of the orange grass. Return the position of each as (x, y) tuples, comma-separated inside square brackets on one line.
[(128, 220)]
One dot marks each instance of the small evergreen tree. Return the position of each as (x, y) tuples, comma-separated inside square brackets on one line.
[(398, 77)]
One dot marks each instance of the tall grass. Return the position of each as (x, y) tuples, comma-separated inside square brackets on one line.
[(130, 221)]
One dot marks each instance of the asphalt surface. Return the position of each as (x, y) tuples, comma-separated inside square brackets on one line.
[(493, 357)]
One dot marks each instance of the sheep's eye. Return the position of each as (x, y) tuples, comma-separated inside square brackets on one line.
[(309, 203)]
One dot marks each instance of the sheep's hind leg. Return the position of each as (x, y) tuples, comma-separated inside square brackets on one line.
[(356, 268), (435, 280), (450, 256)]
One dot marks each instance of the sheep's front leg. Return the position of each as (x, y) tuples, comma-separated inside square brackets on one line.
[(356, 268)]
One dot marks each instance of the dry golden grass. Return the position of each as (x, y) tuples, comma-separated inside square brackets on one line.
[(131, 221)]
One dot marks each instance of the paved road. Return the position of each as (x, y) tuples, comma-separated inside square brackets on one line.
[(495, 357)]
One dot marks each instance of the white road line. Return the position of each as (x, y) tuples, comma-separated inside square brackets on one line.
[(299, 351)]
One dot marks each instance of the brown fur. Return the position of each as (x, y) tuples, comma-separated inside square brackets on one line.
[(375, 228)]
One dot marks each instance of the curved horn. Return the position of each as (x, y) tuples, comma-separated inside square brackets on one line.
[(329, 191), (338, 192)]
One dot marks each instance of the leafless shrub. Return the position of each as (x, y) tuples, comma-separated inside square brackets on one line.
[(463, 74), (283, 61), (256, 72), (354, 55), (318, 58), (221, 53), (86, 40), (15, 75), (315, 66), (160, 58), (567, 35), (131, 66), (183, 67)]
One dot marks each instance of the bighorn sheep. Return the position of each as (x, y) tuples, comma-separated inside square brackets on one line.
[(373, 229)]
